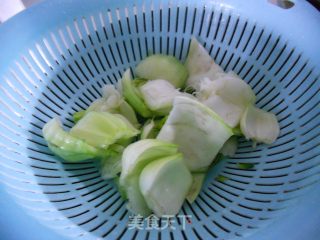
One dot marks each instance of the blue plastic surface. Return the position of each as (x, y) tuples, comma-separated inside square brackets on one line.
[(54, 60), (16, 224)]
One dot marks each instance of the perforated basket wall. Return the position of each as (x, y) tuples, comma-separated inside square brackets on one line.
[(57, 56)]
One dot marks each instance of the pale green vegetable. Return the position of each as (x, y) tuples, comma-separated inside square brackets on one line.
[(135, 157), (78, 115), (158, 95), (148, 130), (230, 147), (128, 112), (66, 146), (163, 67), (111, 101), (221, 178), (136, 202), (245, 166), (259, 125), (197, 182), (197, 130), (137, 154), (120, 188), (237, 131), (101, 129), (200, 65), (164, 184), (132, 94), (111, 166)]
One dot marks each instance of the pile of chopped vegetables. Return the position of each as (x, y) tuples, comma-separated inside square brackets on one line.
[(158, 134)]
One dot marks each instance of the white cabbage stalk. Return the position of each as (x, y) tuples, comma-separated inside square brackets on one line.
[(259, 125), (200, 65), (230, 147), (158, 95), (230, 87), (164, 184), (197, 130), (228, 96), (229, 112)]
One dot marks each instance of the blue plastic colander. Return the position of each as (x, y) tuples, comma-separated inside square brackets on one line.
[(56, 56)]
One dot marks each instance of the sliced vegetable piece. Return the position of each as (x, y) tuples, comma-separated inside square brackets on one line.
[(66, 146), (121, 189), (189, 90), (163, 67), (199, 80), (228, 96), (200, 65), (158, 95), (135, 157), (109, 102), (197, 182), (222, 178), (101, 129), (111, 166), (138, 154), (237, 131), (133, 96), (245, 165), (230, 147), (225, 93), (198, 59), (148, 131), (152, 127), (136, 202), (78, 115), (229, 112), (231, 88), (114, 103), (127, 111), (164, 184), (259, 125), (197, 130)]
